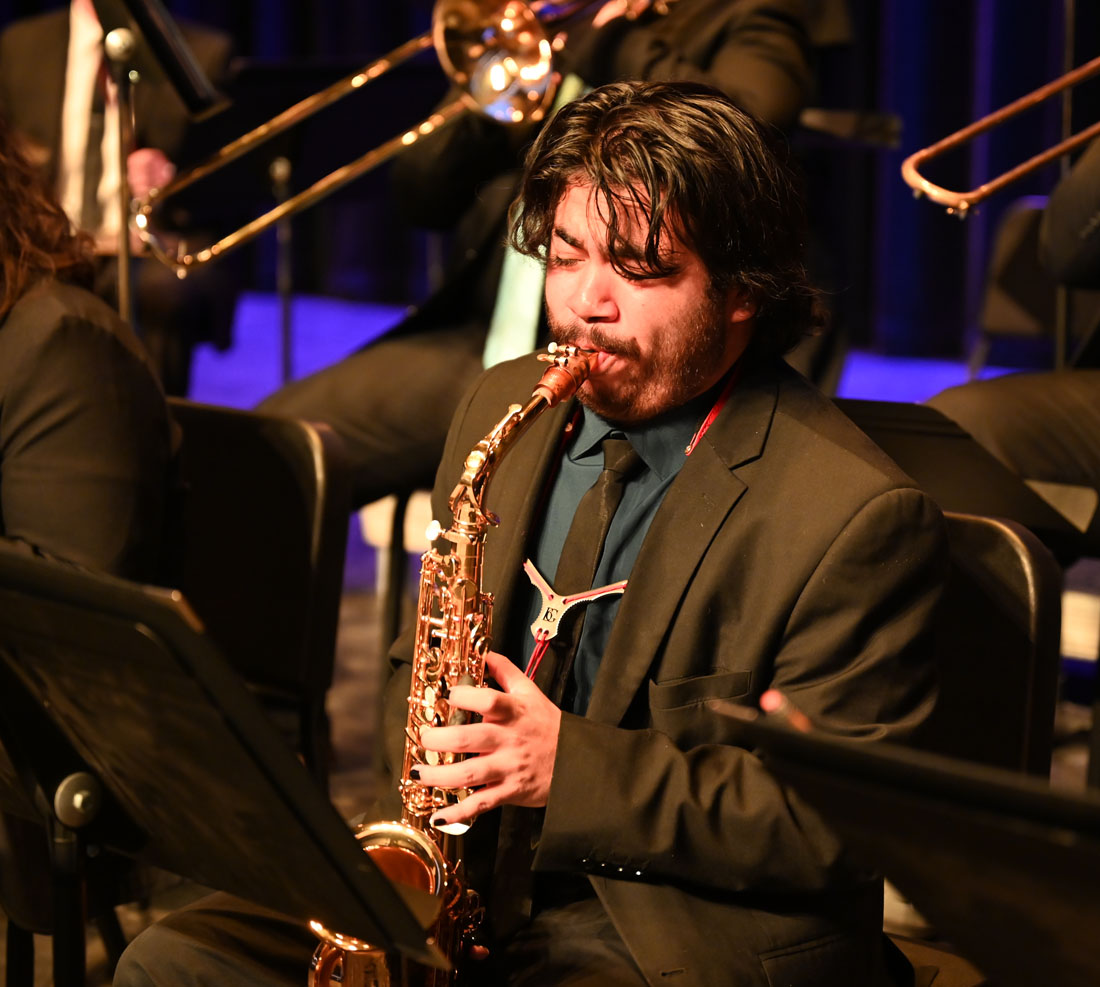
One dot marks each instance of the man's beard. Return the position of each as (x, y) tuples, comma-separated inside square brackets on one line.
[(680, 367)]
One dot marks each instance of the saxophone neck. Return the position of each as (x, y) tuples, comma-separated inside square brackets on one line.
[(483, 458), (569, 368)]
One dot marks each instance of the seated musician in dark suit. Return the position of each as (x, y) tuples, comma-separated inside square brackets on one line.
[(1045, 426), (85, 436), (53, 91), (85, 442), (758, 540)]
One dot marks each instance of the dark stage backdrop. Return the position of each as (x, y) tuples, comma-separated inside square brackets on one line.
[(903, 278)]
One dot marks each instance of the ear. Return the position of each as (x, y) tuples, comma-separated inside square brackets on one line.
[(739, 306)]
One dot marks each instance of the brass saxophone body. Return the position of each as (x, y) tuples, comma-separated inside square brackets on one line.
[(453, 634)]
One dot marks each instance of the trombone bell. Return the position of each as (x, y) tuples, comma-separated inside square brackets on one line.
[(502, 64)]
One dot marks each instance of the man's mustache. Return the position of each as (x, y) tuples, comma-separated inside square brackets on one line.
[(596, 337)]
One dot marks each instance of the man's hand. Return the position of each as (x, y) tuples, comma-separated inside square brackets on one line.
[(146, 169), (630, 9), (516, 741)]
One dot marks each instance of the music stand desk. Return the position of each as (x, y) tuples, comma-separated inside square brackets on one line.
[(162, 51), (213, 792), (1005, 867)]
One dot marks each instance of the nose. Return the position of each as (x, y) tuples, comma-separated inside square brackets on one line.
[(594, 300)]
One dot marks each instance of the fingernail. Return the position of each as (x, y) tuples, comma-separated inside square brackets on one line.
[(414, 773), (435, 821)]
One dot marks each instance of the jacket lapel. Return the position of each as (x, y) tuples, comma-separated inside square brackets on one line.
[(522, 477), (697, 504)]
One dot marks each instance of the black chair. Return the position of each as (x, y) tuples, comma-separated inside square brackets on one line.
[(997, 640), (1020, 296), (256, 543)]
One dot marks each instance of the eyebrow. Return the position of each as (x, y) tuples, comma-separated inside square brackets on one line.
[(626, 250), (568, 238)]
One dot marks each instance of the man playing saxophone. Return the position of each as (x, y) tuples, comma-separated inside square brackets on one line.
[(752, 538)]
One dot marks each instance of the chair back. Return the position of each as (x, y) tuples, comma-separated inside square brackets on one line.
[(256, 539), (998, 639)]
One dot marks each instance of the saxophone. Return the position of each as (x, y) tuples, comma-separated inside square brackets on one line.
[(453, 634)]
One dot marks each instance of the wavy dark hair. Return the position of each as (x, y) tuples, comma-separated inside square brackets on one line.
[(692, 164), (36, 237)]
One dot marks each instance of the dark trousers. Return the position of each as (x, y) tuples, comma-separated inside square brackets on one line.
[(1043, 426), (223, 942), (392, 403)]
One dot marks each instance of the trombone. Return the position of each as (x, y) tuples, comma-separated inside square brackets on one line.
[(959, 203), (498, 54)]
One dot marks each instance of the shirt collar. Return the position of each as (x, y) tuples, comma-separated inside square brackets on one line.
[(661, 441)]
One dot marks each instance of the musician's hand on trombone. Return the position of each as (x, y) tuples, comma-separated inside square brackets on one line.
[(630, 9), (148, 168), (516, 741)]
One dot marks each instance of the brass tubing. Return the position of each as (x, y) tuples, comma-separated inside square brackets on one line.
[(182, 263), (301, 110), (518, 85), (960, 202)]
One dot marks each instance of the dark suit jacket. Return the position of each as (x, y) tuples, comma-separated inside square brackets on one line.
[(85, 439), (789, 552), (33, 53)]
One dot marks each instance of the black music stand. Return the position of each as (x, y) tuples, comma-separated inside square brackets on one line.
[(194, 779), (160, 51), (142, 41), (1004, 866)]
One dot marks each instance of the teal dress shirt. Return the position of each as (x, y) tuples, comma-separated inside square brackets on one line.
[(662, 445)]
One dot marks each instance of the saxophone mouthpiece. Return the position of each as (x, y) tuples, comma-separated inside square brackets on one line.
[(569, 368)]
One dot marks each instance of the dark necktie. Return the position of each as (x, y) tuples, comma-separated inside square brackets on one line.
[(91, 213), (581, 554), (513, 883)]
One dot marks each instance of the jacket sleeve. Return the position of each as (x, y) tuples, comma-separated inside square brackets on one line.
[(854, 655), (85, 444), (756, 52)]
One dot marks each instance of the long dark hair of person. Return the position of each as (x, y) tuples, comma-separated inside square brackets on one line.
[(36, 237), (682, 156)]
